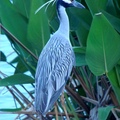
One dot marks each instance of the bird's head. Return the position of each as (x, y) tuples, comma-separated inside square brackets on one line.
[(69, 3), (64, 3)]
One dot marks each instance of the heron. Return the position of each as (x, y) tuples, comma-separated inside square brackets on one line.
[(55, 62)]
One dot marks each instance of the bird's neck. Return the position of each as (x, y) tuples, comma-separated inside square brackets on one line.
[(64, 21)]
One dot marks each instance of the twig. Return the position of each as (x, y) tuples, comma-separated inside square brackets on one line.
[(82, 83), (112, 95), (63, 105), (11, 91), (49, 113), (118, 110), (56, 112), (105, 96), (17, 41), (20, 95), (77, 98), (90, 100), (114, 113)]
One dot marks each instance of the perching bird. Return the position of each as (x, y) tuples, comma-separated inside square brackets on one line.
[(55, 62)]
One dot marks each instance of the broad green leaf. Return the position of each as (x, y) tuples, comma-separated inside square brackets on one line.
[(20, 68), (117, 5), (79, 49), (54, 23), (16, 79), (73, 17), (38, 30), (13, 21), (81, 25), (103, 112), (96, 6), (23, 7), (2, 56), (114, 80), (15, 60), (79, 56), (113, 20), (17, 26), (80, 59), (83, 16), (111, 7), (103, 50), (117, 70), (52, 17), (28, 62)]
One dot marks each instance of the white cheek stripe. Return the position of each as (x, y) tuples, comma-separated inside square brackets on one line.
[(67, 1)]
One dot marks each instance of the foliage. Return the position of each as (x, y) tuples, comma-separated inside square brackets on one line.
[(95, 36)]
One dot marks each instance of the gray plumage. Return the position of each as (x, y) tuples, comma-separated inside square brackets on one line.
[(54, 65)]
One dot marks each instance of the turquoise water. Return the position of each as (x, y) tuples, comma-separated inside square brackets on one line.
[(6, 99)]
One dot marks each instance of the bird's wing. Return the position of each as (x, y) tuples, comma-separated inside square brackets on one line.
[(54, 67)]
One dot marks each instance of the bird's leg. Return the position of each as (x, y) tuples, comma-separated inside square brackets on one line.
[(56, 112), (63, 105)]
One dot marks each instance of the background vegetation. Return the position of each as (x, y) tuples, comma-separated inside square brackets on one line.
[(93, 91)]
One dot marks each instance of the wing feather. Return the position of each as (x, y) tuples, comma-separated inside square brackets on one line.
[(54, 68)]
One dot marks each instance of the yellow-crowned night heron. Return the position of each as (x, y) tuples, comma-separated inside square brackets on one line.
[(55, 62)]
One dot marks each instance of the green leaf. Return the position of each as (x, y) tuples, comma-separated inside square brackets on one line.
[(81, 25), (38, 29), (23, 7), (79, 49), (70, 105), (2, 56), (96, 6), (80, 56), (13, 21), (103, 50), (16, 79), (114, 80), (52, 17), (73, 17), (20, 68), (11, 110), (111, 7), (26, 61), (15, 60), (113, 20), (103, 112)]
